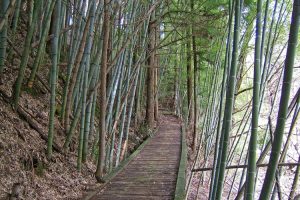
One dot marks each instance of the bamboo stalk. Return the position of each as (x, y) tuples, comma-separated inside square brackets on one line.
[(106, 28), (53, 79)]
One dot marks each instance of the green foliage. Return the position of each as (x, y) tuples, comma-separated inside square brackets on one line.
[(34, 91), (40, 169), (260, 137), (145, 130), (57, 109)]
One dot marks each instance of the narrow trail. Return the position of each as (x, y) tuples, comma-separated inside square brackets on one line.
[(152, 174)]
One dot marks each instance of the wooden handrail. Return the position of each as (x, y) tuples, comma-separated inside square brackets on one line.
[(245, 166), (180, 192)]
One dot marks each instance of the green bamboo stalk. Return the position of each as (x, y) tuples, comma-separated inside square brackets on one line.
[(86, 112), (124, 150), (268, 53), (114, 88), (42, 42), (75, 76), (295, 182), (3, 34), (264, 31), (240, 131), (118, 89), (277, 188), (213, 188), (123, 129), (26, 51), (54, 68), (229, 100), (240, 159), (251, 171), (121, 126), (96, 134), (292, 126), (75, 35), (73, 126), (7, 9), (30, 11), (14, 25)]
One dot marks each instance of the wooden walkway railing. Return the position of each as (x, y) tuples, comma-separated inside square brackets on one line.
[(153, 172)]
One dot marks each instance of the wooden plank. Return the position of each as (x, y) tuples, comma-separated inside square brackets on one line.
[(148, 181), (152, 173), (132, 197), (141, 191)]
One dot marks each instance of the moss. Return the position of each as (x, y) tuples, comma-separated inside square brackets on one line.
[(58, 109), (32, 91), (39, 169)]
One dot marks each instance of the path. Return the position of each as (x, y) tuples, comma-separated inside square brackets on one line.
[(152, 174)]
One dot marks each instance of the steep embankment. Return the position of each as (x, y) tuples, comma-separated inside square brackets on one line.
[(23, 140), (23, 134)]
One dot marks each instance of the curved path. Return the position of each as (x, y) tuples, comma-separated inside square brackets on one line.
[(152, 174)]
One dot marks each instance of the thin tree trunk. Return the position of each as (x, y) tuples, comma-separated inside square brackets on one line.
[(25, 56), (251, 171), (295, 182), (74, 77), (189, 77), (106, 28), (195, 84), (54, 58), (42, 42), (151, 76), (3, 35), (229, 101)]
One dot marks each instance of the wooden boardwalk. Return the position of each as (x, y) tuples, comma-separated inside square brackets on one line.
[(152, 174)]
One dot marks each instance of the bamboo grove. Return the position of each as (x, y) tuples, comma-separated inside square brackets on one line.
[(110, 67)]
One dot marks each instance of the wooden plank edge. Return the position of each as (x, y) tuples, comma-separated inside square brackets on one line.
[(180, 192), (120, 168)]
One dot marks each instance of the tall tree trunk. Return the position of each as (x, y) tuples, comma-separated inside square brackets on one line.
[(151, 76), (156, 73), (189, 77), (106, 28), (195, 84)]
